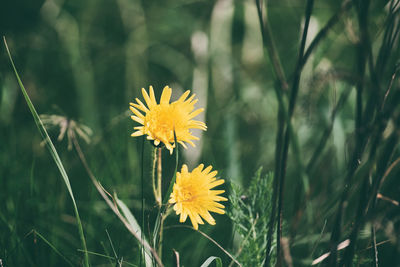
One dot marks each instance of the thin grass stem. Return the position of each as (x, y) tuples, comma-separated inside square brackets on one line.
[(375, 251), (112, 246), (360, 133), (324, 31), (286, 141), (142, 252), (280, 87), (36, 233), (325, 135)]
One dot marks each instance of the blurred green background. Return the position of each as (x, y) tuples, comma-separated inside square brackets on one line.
[(86, 60)]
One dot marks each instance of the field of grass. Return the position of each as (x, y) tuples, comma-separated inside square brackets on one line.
[(301, 101)]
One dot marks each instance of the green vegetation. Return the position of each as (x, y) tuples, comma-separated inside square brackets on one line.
[(306, 92)]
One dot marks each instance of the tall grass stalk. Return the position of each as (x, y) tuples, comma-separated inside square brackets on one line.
[(53, 152), (370, 123), (280, 87), (143, 202), (286, 141), (284, 114)]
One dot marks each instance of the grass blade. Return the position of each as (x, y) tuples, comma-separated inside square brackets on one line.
[(135, 225), (53, 152), (218, 262)]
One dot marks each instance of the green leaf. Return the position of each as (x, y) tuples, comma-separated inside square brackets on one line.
[(218, 262), (133, 222)]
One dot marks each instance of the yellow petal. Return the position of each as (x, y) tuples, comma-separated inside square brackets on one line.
[(140, 106), (207, 170), (152, 96), (137, 133), (183, 217), (217, 183), (139, 120), (183, 96), (136, 112), (147, 98), (195, 113), (165, 96)]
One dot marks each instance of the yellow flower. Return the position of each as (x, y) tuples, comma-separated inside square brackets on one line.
[(193, 197), (159, 121)]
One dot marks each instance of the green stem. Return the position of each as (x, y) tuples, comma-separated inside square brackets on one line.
[(160, 239), (324, 31), (280, 87), (153, 176), (171, 184), (163, 212), (159, 200), (361, 135), (159, 177), (142, 254), (292, 104)]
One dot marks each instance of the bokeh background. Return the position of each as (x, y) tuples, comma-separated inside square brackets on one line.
[(86, 60)]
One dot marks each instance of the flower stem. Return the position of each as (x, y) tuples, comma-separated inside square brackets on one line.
[(153, 176), (164, 210), (159, 200), (160, 238), (159, 178)]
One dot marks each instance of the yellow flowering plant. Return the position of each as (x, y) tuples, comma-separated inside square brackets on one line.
[(190, 194), (161, 120)]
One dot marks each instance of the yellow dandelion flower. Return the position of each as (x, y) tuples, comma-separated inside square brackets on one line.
[(159, 121), (193, 197)]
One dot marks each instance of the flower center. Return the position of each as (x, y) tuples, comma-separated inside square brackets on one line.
[(160, 121), (187, 196)]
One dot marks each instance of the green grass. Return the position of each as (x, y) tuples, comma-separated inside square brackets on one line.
[(308, 90)]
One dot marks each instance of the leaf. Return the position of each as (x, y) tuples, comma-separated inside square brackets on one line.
[(218, 262), (134, 224)]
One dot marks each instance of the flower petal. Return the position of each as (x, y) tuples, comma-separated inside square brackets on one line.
[(166, 96), (152, 96), (139, 120)]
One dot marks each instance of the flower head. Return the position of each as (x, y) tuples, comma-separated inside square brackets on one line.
[(72, 128), (160, 121), (193, 197)]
